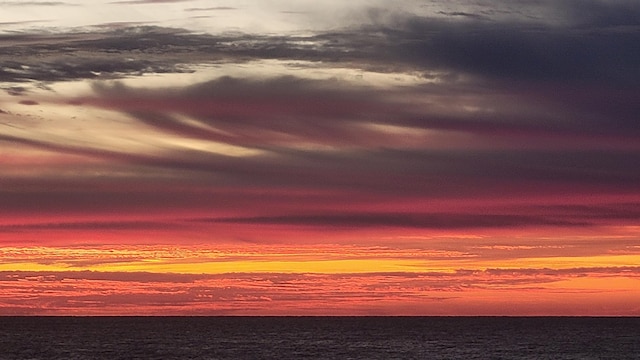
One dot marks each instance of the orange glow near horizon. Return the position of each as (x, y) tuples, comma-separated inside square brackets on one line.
[(481, 277), (196, 265)]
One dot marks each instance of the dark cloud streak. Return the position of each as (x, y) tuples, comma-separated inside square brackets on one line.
[(420, 221), (213, 8)]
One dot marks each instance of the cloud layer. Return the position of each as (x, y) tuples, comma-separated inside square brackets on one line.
[(508, 131)]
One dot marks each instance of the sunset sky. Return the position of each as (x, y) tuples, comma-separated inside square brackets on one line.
[(363, 157)]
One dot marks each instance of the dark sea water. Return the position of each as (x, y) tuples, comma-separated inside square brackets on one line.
[(319, 338)]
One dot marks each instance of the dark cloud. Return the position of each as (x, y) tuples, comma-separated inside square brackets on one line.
[(516, 108), (366, 178), (618, 211), (16, 90), (109, 54), (298, 110), (122, 24), (332, 113), (569, 215), (422, 221), (462, 14), (280, 116), (580, 52), (596, 14), (505, 51), (298, 107), (595, 44), (29, 102)]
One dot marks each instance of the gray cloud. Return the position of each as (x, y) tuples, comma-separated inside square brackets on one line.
[(516, 51), (462, 14), (422, 221), (274, 115), (566, 216), (555, 112), (582, 51), (296, 109), (296, 105), (213, 8), (117, 53), (141, 2), (592, 14)]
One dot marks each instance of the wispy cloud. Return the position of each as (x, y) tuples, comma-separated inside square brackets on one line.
[(141, 2), (36, 3), (461, 13), (376, 293), (426, 221), (213, 8), (25, 22)]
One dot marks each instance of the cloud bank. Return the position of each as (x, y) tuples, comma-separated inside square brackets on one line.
[(488, 134)]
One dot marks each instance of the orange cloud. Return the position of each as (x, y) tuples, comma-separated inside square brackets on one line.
[(312, 280)]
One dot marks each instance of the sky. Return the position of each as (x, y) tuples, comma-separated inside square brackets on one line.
[(204, 157)]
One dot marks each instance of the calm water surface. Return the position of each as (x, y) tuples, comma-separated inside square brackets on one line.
[(318, 338)]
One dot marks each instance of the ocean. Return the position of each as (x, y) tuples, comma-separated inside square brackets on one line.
[(111, 338)]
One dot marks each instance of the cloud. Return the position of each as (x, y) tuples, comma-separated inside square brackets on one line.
[(29, 102), (503, 109), (143, 277), (116, 25), (560, 99), (583, 271), (213, 8), (273, 293), (514, 120), (592, 14), (16, 90), (90, 225), (336, 137), (44, 61), (141, 2), (513, 51), (35, 3), (461, 13), (12, 23), (421, 221), (500, 50), (587, 115)]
